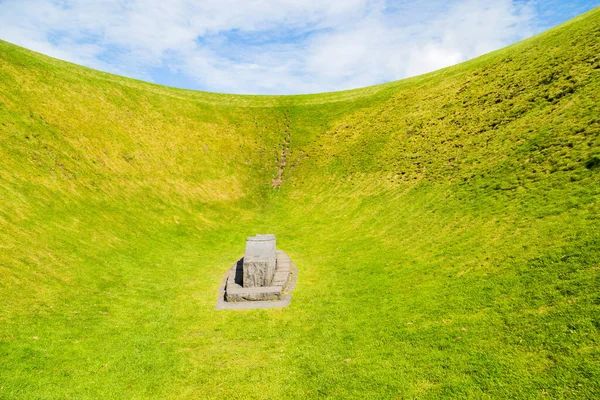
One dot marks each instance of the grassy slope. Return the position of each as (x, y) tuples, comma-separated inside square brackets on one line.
[(445, 228)]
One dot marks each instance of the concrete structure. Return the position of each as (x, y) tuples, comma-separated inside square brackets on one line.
[(236, 290), (259, 261), (263, 278)]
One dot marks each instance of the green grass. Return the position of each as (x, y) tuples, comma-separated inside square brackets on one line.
[(445, 228)]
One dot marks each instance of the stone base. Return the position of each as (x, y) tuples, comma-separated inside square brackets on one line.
[(253, 294), (232, 295)]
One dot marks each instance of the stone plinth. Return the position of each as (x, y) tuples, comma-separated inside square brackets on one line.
[(259, 261), (254, 293), (263, 278), (235, 292)]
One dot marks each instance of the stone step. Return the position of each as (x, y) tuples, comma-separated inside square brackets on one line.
[(283, 267), (280, 278), (254, 293)]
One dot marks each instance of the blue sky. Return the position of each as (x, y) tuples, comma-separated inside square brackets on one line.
[(275, 47)]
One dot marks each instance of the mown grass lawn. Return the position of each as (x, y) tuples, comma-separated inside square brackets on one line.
[(445, 229)]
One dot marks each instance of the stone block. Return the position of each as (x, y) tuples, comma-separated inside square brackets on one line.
[(283, 266), (260, 261), (280, 278), (254, 293)]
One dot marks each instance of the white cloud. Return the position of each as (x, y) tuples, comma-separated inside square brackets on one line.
[(265, 46), (385, 47), (431, 57)]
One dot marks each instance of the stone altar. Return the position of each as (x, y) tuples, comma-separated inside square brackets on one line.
[(263, 278), (259, 261)]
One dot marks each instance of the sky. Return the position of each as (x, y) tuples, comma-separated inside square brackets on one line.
[(275, 47)]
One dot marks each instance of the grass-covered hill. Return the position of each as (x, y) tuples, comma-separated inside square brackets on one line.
[(446, 229)]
